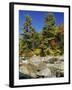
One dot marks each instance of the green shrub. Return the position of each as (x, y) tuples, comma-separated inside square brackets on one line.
[(37, 52)]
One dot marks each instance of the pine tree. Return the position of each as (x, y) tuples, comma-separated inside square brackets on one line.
[(28, 35), (47, 32)]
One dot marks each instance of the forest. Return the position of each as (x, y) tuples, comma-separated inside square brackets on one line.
[(49, 41)]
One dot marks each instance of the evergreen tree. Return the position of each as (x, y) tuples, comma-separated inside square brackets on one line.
[(28, 35), (47, 33)]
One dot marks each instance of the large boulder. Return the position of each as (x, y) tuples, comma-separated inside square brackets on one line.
[(35, 60), (28, 69)]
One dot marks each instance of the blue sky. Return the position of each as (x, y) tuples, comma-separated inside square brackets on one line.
[(38, 18)]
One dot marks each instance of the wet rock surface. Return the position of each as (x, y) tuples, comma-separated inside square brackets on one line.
[(41, 67)]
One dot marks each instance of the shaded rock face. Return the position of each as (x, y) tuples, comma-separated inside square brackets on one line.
[(42, 67), (44, 73)]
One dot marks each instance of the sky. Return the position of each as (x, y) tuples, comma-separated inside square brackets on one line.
[(38, 18)]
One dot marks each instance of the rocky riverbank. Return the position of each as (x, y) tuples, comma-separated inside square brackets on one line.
[(41, 67)]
